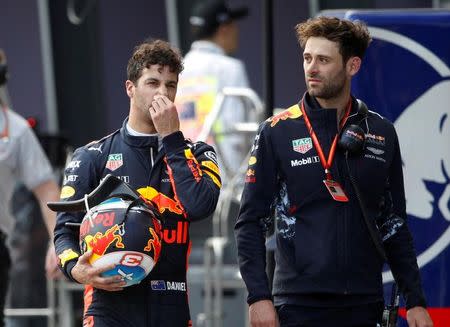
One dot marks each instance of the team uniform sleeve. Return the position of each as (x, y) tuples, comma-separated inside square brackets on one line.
[(194, 175), (259, 191), (399, 248), (79, 179)]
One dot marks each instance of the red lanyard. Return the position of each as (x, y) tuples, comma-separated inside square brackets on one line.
[(326, 163), (5, 132)]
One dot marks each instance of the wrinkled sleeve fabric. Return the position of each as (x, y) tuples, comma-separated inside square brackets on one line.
[(194, 175), (80, 178), (259, 191), (399, 248)]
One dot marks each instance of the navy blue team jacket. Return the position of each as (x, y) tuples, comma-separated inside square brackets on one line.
[(324, 256)]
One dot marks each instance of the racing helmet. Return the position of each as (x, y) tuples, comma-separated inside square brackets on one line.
[(126, 233)]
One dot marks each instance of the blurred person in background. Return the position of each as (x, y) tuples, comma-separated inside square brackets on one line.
[(209, 68), (22, 160)]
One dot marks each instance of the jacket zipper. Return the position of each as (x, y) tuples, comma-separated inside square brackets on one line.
[(152, 161), (151, 157)]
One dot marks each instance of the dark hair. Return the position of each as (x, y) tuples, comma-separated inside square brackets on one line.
[(153, 52), (353, 36)]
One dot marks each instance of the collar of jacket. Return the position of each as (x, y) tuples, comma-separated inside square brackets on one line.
[(207, 46), (138, 141), (315, 110)]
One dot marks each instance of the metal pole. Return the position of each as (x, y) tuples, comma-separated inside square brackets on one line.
[(47, 67), (268, 56), (172, 22), (268, 98), (314, 7)]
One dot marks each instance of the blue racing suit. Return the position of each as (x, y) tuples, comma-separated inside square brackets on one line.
[(182, 179)]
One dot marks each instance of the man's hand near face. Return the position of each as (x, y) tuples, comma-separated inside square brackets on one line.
[(164, 115)]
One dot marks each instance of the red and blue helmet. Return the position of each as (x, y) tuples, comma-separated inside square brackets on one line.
[(126, 233)]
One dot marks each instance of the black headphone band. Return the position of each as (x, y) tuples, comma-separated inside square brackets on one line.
[(352, 136), (363, 110)]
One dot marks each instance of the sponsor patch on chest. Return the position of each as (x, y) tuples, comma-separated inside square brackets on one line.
[(115, 161), (302, 145)]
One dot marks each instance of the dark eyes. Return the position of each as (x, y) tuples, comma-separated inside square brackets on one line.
[(321, 59), (157, 83)]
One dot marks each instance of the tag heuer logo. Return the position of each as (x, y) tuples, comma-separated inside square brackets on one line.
[(114, 161), (302, 145)]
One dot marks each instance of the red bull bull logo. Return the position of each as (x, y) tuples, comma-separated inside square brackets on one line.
[(154, 243), (291, 113), (250, 176), (162, 201), (100, 242)]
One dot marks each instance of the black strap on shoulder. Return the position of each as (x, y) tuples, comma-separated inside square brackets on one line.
[(373, 232), (363, 111)]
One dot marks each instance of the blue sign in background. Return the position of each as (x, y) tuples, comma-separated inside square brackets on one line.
[(392, 77)]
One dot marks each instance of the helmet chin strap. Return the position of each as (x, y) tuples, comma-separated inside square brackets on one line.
[(88, 210)]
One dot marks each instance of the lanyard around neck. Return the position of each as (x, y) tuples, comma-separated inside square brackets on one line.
[(326, 163)]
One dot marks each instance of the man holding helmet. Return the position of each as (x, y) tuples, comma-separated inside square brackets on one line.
[(150, 153)]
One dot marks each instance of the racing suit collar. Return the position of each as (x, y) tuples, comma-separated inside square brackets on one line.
[(139, 141)]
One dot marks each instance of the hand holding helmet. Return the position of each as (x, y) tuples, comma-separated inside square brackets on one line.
[(123, 235), (120, 236), (84, 273)]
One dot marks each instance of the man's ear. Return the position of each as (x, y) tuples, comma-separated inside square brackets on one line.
[(353, 65), (129, 86)]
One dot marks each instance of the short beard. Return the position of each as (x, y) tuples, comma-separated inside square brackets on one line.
[(331, 89)]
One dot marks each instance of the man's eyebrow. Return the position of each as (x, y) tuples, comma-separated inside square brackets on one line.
[(317, 55)]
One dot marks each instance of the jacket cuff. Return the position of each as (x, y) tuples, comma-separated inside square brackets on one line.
[(256, 298), (68, 270), (173, 142), (415, 302)]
